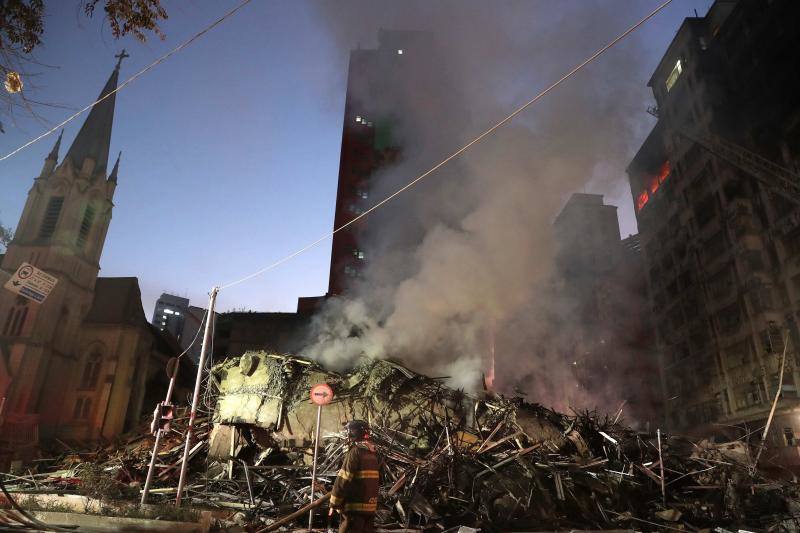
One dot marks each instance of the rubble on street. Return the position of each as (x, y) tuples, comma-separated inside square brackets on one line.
[(449, 459)]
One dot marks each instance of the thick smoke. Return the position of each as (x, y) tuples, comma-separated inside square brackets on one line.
[(466, 257)]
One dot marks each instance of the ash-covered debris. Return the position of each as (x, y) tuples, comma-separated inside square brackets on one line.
[(448, 458)]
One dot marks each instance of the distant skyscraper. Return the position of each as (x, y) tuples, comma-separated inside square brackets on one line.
[(170, 314), (599, 282)]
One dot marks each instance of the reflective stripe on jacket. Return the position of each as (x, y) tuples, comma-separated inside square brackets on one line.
[(356, 486)]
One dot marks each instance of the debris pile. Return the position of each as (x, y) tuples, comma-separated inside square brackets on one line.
[(448, 458)]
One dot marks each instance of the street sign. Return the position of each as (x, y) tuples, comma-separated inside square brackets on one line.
[(32, 283), (321, 394)]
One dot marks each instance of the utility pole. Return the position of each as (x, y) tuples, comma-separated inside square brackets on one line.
[(196, 396)]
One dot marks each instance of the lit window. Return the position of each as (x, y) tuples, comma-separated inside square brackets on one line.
[(362, 193), (164, 317), (168, 311), (359, 254), (400, 52), (673, 76), (177, 313), (358, 118)]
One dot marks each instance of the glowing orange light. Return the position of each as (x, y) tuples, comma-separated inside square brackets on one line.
[(642, 200), (663, 172), (653, 185)]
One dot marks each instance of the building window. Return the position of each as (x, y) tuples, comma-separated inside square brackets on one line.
[(674, 75), (788, 437), (362, 193), (86, 225), (353, 208), (51, 217), (359, 254), (400, 52), (15, 321), (91, 371), (82, 407), (350, 271)]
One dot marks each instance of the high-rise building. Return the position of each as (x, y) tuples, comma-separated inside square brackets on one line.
[(721, 244), (599, 284), (367, 144), (170, 314)]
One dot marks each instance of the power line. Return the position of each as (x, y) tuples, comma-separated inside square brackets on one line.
[(132, 78), (455, 154)]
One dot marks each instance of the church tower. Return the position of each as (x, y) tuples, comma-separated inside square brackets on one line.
[(61, 231)]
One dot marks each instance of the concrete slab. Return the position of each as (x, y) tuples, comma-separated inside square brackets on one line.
[(94, 523)]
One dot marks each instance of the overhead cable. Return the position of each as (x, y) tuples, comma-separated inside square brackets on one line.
[(131, 79), (455, 154)]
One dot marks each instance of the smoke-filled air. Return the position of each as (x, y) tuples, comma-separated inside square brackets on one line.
[(462, 265)]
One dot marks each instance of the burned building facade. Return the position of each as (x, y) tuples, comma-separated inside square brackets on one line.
[(720, 241), (368, 144), (599, 279)]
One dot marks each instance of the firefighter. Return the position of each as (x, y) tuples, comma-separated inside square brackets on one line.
[(355, 492)]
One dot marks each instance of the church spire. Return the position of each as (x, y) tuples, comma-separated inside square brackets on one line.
[(94, 138), (113, 175), (56, 147), (52, 159)]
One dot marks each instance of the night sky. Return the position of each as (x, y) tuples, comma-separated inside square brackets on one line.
[(231, 147)]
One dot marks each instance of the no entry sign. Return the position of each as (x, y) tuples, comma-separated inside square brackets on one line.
[(321, 394)]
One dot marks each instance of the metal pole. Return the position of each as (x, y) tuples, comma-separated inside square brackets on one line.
[(661, 464), (196, 396), (774, 405), (314, 469), (152, 466)]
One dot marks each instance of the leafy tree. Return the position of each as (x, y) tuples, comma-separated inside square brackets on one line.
[(6, 234), (22, 26)]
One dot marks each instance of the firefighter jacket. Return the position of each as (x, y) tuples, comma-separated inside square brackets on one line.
[(356, 486)]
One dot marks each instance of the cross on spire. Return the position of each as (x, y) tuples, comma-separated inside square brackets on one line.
[(122, 55)]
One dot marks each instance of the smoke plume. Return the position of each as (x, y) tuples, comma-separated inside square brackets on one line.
[(466, 257)]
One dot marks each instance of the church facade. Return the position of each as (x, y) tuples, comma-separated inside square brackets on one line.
[(84, 364)]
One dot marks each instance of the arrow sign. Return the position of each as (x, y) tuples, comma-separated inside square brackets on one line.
[(321, 394)]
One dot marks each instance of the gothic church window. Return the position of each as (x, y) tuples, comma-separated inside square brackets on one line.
[(91, 371), (51, 217), (86, 225), (82, 407), (15, 320)]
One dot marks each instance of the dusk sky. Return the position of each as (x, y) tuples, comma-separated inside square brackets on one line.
[(242, 168)]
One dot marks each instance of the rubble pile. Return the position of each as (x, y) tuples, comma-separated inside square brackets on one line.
[(448, 458)]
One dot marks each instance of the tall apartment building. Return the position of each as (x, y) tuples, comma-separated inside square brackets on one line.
[(367, 144), (170, 314), (721, 248), (599, 282)]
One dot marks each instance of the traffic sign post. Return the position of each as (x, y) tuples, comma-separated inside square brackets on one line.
[(321, 394), (32, 283)]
